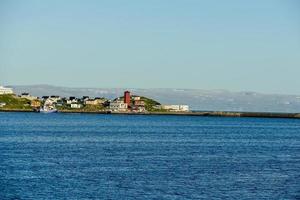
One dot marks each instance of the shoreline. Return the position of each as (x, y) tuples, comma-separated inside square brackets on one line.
[(191, 113)]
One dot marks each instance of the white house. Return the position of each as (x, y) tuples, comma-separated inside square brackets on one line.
[(71, 101), (118, 106), (4, 90), (76, 105)]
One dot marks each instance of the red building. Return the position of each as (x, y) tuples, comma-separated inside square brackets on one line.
[(127, 97)]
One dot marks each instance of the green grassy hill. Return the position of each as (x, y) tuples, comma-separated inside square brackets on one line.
[(150, 103), (14, 102)]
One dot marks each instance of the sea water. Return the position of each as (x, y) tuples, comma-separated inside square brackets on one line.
[(94, 156)]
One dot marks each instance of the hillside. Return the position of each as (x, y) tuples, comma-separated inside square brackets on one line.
[(150, 103), (14, 102)]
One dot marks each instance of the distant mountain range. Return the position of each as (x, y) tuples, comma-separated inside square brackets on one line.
[(207, 100)]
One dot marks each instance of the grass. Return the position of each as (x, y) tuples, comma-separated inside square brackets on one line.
[(85, 108), (14, 102), (150, 103)]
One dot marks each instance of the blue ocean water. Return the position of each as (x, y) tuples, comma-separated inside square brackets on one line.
[(89, 156)]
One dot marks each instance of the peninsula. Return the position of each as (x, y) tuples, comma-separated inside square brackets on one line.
[(127, 104)]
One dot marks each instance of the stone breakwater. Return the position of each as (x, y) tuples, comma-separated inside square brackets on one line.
[(192, 113), (225, 114)]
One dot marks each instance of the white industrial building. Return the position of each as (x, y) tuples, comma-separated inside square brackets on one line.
[(5, 90), (175, 108)]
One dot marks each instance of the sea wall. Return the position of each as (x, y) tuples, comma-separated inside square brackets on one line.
[(197, 113)]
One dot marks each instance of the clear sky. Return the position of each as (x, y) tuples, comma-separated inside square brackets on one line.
[(214, 44)]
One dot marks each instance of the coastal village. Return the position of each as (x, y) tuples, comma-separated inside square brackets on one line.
[(128, 103)]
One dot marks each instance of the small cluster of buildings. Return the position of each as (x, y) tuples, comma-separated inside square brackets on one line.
[(74, 102), (123, 104)]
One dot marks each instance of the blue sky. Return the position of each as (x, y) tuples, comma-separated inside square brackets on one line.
[(235, 45)]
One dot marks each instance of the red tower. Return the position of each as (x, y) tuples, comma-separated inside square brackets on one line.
[(127, 97)]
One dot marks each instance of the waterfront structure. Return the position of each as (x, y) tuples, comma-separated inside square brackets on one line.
[(118, 106), (127, 97), (175, 108), (5, 90), (49, 106)]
